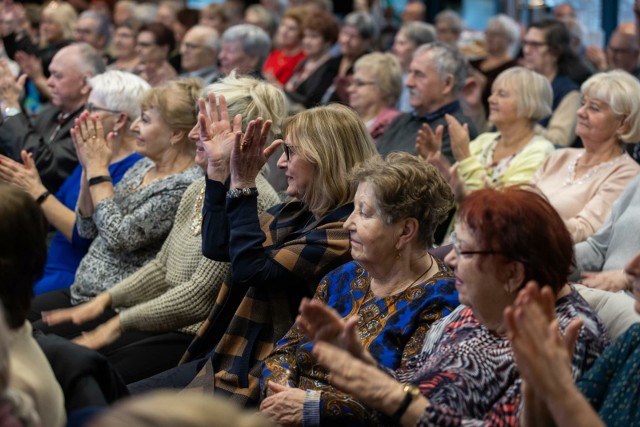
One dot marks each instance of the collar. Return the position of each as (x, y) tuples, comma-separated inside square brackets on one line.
[(430, 117)]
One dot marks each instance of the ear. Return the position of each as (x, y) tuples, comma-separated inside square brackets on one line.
[(515, 276), (85, 89), (448, 85), (624, 127), (408, 229), (121, 122)]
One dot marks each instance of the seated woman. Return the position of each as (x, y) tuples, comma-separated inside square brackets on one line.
[(154, 43), (276, 258), (512, 155), (601, 258), (605, 395), (583, 183), (394, 288), (282, 61), (167, 300), (374, 90), (130, 222), (465, 373), (115, 98), (124, 46), (23, 251)]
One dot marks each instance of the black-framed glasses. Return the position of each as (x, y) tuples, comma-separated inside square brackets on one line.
[(92, 108), (534, 44), (289, 150), (456, 247)]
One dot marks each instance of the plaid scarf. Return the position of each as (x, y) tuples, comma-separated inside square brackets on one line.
[(246, 321)]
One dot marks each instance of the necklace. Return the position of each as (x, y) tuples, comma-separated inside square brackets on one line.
[(571, 172), (196, 217)]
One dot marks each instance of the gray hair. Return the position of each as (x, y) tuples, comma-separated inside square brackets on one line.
[(104, 26), (255, 41), (364, 23), (533, 92), (387, 73), (120, 91), (145, 12), (450, 19), (511, 30), (89, 60), (448, 61), (419, 32)]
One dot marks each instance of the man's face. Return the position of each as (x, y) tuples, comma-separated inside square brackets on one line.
[(87, 31), (69, 89), (427, 91), (232, 55), (622, 52), (195, 55)]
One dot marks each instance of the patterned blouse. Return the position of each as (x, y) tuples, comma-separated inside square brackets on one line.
[(129, 228), (469, 375), (391, 328)]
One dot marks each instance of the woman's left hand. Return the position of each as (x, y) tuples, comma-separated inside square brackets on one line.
[(285, 405), (248, 154), (101, 336), (459, 136), (23, 175), (94, 149), (612, 280)]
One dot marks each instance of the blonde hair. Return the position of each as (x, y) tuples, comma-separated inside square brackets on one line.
[(387, 73), (533, 92), (251, 98), (176, 103), (622, 92), (185, 409), (334, 140), (64, 15)]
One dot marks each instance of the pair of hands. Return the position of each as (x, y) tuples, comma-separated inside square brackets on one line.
[(429, 146), (229, 151), (10, 86), (101, 336), (93, 148)]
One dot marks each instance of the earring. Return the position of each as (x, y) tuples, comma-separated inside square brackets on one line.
[(115, 133)]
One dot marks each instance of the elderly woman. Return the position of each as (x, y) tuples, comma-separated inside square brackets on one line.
[(313, 76), (276, 258), (583, 183), (374, 91), (605, 395), (115, 98), (502, 38), (512, 155), (407, 39), (282, 61), (547, 51), (131, 221), (394, 288), (154, 43), (167, 300), (465, 373), (124, 47), (244, 48), (358, 34), (23, 251)]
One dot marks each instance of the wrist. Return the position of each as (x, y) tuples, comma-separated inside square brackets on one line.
[(104, 300), (242, 183)]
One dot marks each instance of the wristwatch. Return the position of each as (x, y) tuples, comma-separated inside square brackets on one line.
[(410, 393), (236, 193), (10, 112)]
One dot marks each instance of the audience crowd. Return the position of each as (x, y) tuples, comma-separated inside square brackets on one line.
[(289, 213)]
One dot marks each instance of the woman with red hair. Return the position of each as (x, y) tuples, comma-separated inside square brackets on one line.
[(465, 372)]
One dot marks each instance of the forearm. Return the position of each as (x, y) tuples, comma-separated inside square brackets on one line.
[(572, 409), (215, 227), (101, 190), (59, 216)]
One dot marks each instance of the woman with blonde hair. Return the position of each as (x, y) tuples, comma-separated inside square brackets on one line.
[(374, 90), (131, 220), (277, 258), (167, 300)]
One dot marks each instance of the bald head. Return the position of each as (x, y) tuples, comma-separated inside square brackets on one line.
[(622, 51), (199, 48)]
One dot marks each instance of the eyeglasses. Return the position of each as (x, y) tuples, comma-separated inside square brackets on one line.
[(92, 108), (191, 46), (533, 44), (360, 83), (620, 51), (456, 247), (289, 150)]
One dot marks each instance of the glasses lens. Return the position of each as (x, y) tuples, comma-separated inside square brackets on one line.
[(287, 151)]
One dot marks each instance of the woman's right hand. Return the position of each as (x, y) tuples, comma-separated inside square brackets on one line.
[(217, 135), (79, 314), (23, 175), (459, 137)]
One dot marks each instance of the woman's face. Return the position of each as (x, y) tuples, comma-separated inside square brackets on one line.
[(289, 34), (299, 172), (372, 241), (201, 156), (363, 91), (50, 29), (537, 56), (124, 42), (503, 104), (496, 39), (633, 269), (352, 45), (147, 49), (153, 135), (313, 44), (403, 49), (478, 277), (597, 123)]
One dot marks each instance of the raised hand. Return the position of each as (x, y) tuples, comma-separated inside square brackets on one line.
[(93, 148), (459, 136), (10, 87), (23, 175), (248, 155), (427, 142)]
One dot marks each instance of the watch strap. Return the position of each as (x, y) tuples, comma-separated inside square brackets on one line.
[(411, 392), (99, 179), (236, 193), (41, 198)]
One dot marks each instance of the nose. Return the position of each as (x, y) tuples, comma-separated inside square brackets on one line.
[(194, 133), (50, 82), (581, 111), (349, 224), (451, 259), (134, 126), (282, 161)]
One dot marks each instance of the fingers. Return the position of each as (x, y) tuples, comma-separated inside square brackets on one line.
[(224, 112), (21, 81), (268, 151), (237, 123), (275, 387), (213, 107), (56, 317), (203, 126)]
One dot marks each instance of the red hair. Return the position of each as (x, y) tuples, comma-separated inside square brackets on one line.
[(522, 226)]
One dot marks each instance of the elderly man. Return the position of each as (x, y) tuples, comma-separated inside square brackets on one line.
[(622, 53), (245, 47), (93, 28), (436, 76), (199, 54), (47, 136), (449, 27)]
